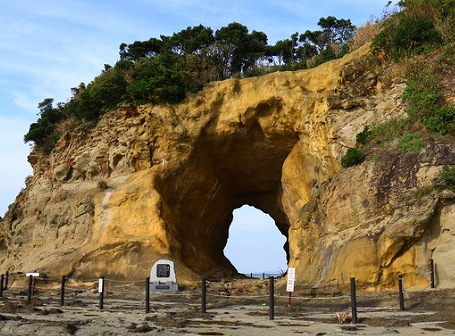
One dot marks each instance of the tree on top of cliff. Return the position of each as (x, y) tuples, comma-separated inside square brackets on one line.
[(43, 132), (166, 69)]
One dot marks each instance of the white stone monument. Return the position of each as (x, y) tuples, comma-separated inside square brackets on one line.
[(162, 276)]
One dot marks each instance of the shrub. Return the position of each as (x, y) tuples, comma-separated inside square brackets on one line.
[(423, 94), (352, 157), (449, 178), (389, 130), (365, 136), (441, 12), (442, 120), (108, 89), (411, 142), (156, 81), (404, 35)]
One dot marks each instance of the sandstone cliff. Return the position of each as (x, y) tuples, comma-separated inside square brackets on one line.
[(162, 181)]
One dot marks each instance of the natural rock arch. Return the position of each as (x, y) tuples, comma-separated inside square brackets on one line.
[(162, 181), (218, 177)]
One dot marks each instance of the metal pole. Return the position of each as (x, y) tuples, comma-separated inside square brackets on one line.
[(101, 290), (30, 287), (62, 291), (401, 291), (147, 295), (2, 279), (353, 301), (431, 262), (271, 298), (204, 296)]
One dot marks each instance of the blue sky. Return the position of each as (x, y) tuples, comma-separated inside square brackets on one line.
[(50, 46)]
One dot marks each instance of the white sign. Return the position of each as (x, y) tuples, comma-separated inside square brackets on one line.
[(100, 285), (32, 274), (291, 279)]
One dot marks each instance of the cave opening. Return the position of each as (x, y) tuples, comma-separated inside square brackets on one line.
[(219, 176), (255, 245)]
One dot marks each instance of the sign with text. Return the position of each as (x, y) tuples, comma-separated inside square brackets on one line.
[(291, 279), (34, 274), (100, 285)]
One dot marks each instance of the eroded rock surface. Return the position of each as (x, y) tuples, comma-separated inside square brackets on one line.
[(162, 181)]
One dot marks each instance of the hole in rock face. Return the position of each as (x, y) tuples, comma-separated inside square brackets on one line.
[(255, 245), (222, 174)]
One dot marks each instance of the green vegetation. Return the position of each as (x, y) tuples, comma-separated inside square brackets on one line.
[(43, 132), (167, 69), (420, 26), (449, 178), (423, 93), (404, 35), (385, 132), (411, 142), (365, 136), (353, 156)]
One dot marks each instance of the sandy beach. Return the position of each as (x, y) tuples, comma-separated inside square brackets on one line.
[(233, 308)]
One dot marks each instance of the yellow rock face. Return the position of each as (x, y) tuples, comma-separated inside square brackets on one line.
[(162, 182)]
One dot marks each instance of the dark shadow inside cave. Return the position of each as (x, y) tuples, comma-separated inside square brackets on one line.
[(219, 176), (255, 245)]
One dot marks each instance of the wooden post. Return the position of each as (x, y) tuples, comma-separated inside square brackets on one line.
[(30, 289), (353, 301), (431, 263), (34, 284), (401, 291), (147, 295), (62, 291), (6, 280), (271, 298), (204, 296), (2, 279)]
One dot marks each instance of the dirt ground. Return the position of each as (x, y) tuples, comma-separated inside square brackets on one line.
[(238, 307)]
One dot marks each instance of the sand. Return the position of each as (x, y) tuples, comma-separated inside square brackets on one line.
[(233, 308)]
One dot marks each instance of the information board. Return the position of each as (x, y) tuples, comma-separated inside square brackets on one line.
[(291, 279)]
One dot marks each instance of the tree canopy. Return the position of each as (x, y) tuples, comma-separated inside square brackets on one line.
[(166, 69)]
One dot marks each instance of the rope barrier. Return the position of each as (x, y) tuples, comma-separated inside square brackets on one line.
[(17, 287), (124, 281), (48, 279), (238, 296), (176, 294), (314, 298), (82, 280)]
